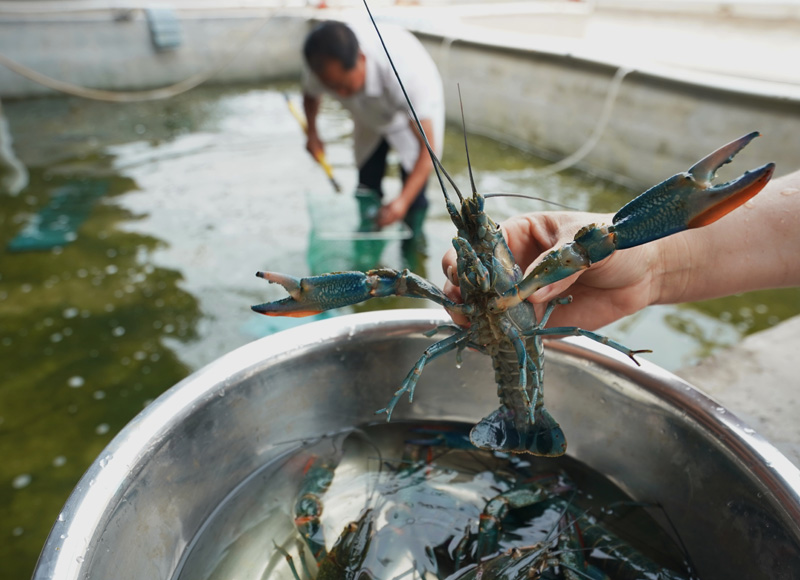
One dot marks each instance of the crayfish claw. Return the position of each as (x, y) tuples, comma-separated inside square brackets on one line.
[(705, 170), (688, 199)]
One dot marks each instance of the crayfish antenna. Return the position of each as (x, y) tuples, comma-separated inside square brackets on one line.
[(437, 165), (466, 146), (531, 197)]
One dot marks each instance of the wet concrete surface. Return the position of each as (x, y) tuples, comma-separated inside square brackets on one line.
[(757, 379)]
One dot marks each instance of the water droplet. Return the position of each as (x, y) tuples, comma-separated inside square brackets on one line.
[(749, 430), (21, 481), (79, 559), (720, 410), (61, 517), (75, 382)]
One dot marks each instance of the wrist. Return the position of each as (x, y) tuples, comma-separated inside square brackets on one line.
[(673, 267)]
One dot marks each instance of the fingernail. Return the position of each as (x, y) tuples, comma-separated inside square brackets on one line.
[(451, 275)]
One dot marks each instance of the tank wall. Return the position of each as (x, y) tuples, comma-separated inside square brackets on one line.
[(98, 51), (657, 126)]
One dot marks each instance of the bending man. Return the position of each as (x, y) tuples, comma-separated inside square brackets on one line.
[(349, 64)]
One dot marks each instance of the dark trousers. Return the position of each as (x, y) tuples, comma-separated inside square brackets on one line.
[(370, 176)]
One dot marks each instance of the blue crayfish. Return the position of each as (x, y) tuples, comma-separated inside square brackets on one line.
[(494, 292)]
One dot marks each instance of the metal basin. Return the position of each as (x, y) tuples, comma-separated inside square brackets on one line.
[(732, 496)]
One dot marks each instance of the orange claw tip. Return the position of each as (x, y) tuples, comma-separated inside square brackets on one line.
[(300, 313), (751, 183), (265, 310)]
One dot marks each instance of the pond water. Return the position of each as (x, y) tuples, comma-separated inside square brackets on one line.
[(165, 211)]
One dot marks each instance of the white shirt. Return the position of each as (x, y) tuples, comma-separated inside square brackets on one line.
[(380, 109)]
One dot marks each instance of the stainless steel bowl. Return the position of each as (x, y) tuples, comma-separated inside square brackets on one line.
[(733, 497)]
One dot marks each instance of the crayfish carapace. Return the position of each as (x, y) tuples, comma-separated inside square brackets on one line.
[(494, 292)]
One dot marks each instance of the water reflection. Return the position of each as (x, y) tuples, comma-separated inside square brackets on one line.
[(13, 173), (82, 349)]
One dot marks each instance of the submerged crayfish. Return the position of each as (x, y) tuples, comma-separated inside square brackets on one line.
[(446, 510), (494, 292)]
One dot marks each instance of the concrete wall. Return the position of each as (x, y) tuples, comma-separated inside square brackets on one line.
[(95, 50), (551, 103)]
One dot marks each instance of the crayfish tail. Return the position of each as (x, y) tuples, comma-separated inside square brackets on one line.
[(499, 432)]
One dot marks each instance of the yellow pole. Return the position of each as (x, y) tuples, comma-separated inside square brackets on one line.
[(320, 157)]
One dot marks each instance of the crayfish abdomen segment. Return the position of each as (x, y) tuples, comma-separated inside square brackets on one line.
[(521, 424)]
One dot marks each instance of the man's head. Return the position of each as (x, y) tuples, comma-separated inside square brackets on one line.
[(331, 51)]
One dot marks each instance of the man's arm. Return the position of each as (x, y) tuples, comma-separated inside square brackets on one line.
[(415, 181), (313, 142)]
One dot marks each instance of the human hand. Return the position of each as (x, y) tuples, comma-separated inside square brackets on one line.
[(619, 285), (393, 211)]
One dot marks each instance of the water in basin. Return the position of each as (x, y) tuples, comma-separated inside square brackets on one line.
[(416, 492)]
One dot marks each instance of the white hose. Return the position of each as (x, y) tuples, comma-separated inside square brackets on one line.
[(599, 128)]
